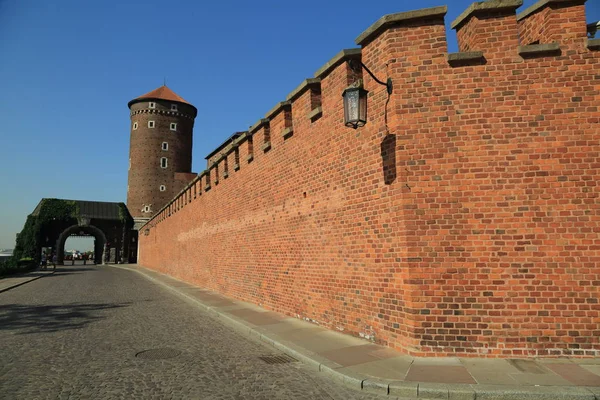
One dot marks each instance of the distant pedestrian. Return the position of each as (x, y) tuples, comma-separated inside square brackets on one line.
[(54, 260), (44, 261)]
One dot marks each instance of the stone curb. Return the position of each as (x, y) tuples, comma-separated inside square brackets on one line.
[(420, 390), (27, 281)]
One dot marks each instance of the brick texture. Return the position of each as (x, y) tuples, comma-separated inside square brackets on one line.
[(463, 219), (146, 150), (557, 22)]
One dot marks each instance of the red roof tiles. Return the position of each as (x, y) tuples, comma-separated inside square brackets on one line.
[(163, 93)]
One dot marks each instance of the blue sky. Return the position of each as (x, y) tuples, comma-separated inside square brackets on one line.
[(69, 67)]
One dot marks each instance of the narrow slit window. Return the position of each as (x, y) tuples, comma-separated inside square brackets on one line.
[(173, 126), (152, 105), (163, 162), (135, 125), (173, 107), (165, 146), (163, 188), (150, 124)]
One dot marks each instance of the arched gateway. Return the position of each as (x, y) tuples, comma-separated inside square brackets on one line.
[(85, 230), (110, 224)]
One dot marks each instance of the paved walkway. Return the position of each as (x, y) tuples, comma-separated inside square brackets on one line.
[(98, 332), (381, 370)]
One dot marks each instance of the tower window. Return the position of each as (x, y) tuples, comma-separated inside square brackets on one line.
[(163, 162), (150, 124), (173, 126), (173, 107), (146, 208), (135, 125), (163, 188), (165, 146), (152, 105)]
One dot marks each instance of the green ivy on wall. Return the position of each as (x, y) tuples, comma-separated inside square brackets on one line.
[(53, 213), (124, 215)]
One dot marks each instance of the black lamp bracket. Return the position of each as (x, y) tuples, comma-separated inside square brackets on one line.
[(356, 64)]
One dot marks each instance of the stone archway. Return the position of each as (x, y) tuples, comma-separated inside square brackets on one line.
[(99, 243)]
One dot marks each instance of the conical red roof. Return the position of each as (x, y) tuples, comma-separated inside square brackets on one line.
[(162, 93)]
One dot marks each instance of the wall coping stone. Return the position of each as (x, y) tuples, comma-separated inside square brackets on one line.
[(277, 108), (315, 112), (534, 49), (307, 83), (392, 19), (261, 122), (240, 139), (464, 56), (336, 60), (483, 6), (593, 44), (542, 4), (287, 132)]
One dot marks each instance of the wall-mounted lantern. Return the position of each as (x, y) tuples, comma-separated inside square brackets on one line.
[(355, 105), (355, 97)]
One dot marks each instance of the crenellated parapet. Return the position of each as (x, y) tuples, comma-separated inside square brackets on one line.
[(413, 41)]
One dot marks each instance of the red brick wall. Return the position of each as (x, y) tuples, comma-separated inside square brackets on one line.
[(469, 225)]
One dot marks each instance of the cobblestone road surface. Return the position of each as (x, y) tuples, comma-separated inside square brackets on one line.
[(75, 335)]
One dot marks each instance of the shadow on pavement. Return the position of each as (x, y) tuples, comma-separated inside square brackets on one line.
[(62, 268), (67, 269), (27, 319)]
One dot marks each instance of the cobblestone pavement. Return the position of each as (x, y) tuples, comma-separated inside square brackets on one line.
[(75, 335)]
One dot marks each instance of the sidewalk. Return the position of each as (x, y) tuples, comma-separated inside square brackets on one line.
[(377, 369), (13, 281)]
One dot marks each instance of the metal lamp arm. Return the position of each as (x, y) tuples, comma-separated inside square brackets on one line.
[(353, 65)]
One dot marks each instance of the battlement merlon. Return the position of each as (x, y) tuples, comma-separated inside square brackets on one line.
[(310, 83), (336, 60), (254, 128), (481, 7), (553, 21), (282, 105), (387, 21), (489, 26), (313, 87)]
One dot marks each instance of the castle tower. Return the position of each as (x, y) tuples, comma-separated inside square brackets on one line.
[(160, 151)]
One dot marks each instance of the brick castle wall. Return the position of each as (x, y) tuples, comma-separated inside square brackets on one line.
[(462, 219)]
